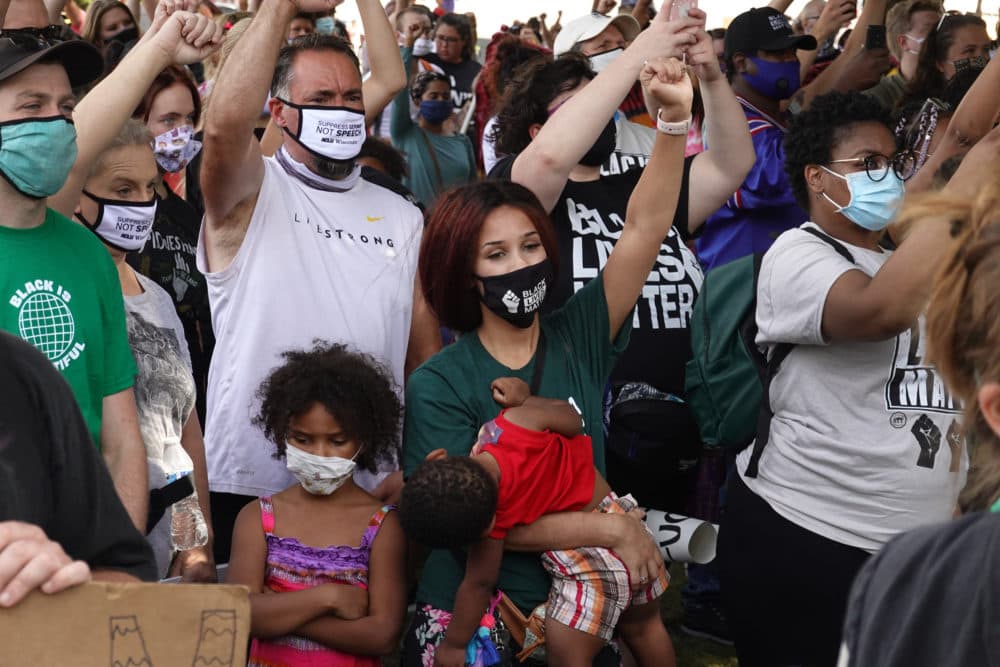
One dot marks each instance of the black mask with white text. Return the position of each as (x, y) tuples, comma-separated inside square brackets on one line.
[(517, 296)]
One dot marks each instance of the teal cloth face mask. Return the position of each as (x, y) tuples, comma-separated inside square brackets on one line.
[(36, 154), (873, 204)]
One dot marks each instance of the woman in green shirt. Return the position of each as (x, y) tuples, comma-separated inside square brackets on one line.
[(486, 262), (438, 157)]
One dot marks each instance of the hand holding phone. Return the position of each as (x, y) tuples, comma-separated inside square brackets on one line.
[(679, 9)]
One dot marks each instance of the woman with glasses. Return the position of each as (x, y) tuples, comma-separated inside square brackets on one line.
[(958, 42), (438, 157), (864, 442), (455, 57)]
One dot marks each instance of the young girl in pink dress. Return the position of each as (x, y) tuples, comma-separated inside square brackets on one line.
[(323, 559)]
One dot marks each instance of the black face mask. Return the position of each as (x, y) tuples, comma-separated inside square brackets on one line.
[(518, 295), (603, 147), (126, 36)]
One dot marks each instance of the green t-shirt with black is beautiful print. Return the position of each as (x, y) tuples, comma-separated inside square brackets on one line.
[(59, 291)]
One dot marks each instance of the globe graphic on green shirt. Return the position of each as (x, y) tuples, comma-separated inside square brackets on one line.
[(46, 322)]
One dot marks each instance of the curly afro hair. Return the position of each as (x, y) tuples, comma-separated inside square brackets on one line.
[(448, 503), (355, 388), (813, 134)]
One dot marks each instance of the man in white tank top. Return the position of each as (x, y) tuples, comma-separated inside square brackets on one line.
[(295, 247)]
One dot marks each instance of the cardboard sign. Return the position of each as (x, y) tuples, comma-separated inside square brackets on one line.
[(129, 625)]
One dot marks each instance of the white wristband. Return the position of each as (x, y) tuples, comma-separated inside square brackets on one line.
[(679, 128)]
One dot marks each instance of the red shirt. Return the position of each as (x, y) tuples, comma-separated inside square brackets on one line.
[(540, 472)]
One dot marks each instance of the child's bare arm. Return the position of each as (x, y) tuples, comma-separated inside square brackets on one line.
[(375, 629), (532, 412), (473, 597), (278, 614)]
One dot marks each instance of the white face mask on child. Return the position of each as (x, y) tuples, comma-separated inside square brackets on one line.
[(319, 475)]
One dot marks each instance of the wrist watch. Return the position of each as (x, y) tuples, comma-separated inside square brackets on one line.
[(679, 128)]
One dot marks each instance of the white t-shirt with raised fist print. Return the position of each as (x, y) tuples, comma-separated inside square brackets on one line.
[(865, 440)]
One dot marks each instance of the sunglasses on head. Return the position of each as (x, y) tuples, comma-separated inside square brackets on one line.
[(34, 39)]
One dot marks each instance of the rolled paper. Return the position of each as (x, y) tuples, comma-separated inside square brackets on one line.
[(682, 539)]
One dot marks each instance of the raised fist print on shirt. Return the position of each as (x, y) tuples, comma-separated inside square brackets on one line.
[(928, 437)]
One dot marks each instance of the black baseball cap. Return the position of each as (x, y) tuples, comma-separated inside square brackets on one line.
[(22, 47), (763, 29)]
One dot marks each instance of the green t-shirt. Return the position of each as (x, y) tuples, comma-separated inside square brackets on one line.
[(60, 292), (448, 399), (455, 158)]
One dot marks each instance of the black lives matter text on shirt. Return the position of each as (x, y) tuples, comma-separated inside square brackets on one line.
[(461, 75), (588, 219), (169, 259)]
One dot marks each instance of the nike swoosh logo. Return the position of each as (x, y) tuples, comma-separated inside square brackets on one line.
[(371, 219)]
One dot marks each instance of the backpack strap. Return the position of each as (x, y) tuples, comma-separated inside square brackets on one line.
[(781, 351), (832, 242)]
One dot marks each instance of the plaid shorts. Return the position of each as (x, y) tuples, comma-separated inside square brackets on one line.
[(590, 586)]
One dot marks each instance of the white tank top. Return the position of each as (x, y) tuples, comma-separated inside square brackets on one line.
[(339, 266)]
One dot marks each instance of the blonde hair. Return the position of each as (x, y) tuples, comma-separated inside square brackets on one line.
[(133, 133), (963, 322)]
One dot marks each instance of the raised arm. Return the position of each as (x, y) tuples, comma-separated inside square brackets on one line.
[(400, 121), (652, 205), (718, 172), (388, 76), (545, 165), (975, 115), (232, 166), (180, 37), (836, 14), (859, 307), (857, 68)]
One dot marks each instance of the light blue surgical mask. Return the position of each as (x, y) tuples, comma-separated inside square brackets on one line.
[(873, 203), (36, 154), (325, 25)]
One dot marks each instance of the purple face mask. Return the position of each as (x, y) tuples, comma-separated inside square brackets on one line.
[(778, 81)]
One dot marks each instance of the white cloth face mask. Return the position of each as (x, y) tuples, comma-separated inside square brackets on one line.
[(125, 225), (601, 60), (335, 133), (423, 46), (319, 475)]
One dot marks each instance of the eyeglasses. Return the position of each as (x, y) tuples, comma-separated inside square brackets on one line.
[(447, 40), (877, 166)]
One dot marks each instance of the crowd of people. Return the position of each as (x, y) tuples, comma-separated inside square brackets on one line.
[(408, 327)]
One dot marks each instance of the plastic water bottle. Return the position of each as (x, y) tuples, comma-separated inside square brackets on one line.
[(187, 524)]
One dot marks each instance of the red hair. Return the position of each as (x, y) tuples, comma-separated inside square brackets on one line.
[(450, 242), (165, 79)]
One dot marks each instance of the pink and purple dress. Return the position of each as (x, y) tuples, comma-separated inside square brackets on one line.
[(293, 566)]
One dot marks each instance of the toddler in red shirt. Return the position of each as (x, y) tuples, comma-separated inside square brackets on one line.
[(533, 459)]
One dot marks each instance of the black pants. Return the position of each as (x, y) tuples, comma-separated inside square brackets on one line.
[(225, 507), (784, 588)]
